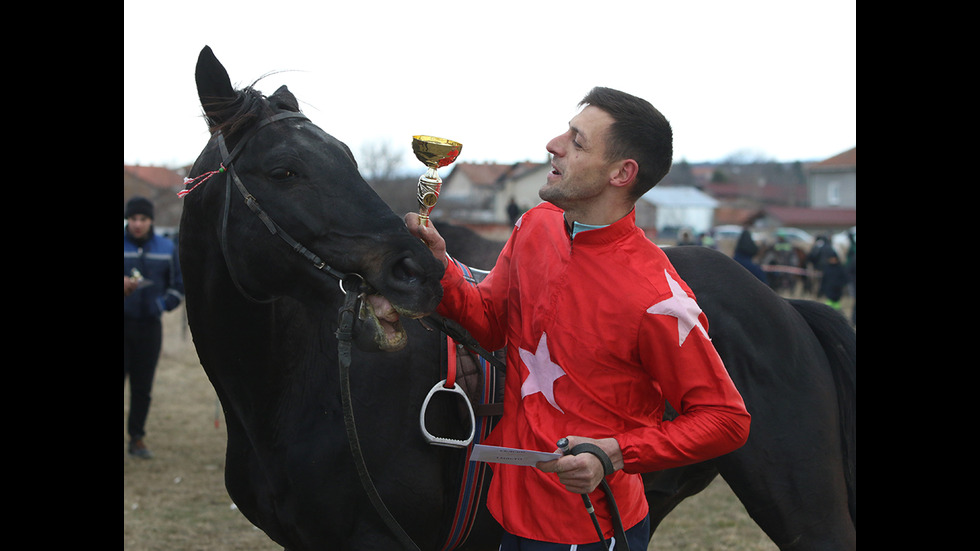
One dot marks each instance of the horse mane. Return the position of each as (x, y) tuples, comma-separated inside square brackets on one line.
[(231, 115)]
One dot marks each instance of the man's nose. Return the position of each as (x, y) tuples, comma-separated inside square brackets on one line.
[(553, 146)]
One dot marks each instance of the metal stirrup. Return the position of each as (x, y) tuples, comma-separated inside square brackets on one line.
[(439, 440)]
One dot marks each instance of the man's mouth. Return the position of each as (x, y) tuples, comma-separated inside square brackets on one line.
[(554, 175)]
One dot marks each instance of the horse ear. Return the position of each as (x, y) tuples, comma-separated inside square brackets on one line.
[(213, 84), (284, 99)]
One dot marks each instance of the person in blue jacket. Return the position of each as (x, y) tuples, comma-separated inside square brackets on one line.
[(152, 285)]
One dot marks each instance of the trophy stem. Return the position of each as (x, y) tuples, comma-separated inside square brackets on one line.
[(428, 193)]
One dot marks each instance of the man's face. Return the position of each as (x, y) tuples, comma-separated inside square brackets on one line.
[(139, 225), (580, 169)]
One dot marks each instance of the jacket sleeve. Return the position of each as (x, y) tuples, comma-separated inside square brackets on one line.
[(712, 418), (481, 309)]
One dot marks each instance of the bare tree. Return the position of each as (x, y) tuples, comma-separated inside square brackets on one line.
[(747, 156), (379, 160)]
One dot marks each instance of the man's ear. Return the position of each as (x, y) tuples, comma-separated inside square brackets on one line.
[(623, 173)]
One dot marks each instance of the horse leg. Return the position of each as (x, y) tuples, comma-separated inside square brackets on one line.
[(666, 489)]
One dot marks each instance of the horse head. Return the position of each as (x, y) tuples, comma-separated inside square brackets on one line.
[(292, 188)]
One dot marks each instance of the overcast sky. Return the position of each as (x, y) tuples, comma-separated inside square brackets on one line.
[(774, 78)]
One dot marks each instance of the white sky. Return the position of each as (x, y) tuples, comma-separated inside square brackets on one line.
[(774, 77)]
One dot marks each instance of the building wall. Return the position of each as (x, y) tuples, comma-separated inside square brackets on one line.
[(833, 189), (524, 190)]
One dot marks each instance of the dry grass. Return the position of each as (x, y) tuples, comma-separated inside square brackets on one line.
[(177, 500)]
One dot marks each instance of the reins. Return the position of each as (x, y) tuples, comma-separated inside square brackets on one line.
[(345, 331)]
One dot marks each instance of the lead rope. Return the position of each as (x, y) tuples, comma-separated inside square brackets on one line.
[(348, 313), (607, 469)]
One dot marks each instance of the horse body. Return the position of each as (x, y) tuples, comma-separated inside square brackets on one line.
[(265, 320), (795, 474)]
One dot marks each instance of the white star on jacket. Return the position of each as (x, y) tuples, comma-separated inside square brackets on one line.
[(682, 307), (542, 372)]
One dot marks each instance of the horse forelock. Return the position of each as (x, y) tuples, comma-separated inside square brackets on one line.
[(231, 116)]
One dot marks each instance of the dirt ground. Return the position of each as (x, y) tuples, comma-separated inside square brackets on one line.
[(177, 501)]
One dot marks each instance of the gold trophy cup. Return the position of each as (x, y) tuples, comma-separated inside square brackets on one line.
[(434, 153)]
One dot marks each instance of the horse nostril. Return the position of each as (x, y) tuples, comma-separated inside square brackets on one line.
[(406, 269)]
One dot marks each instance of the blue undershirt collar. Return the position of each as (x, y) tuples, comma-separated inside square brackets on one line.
[(579, 227)]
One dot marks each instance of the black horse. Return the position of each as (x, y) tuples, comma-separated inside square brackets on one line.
[(277, 214)]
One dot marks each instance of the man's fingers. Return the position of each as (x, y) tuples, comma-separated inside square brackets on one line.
[(547, 466), (428, 235)]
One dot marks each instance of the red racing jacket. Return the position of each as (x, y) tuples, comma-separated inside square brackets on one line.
[(600, 331)]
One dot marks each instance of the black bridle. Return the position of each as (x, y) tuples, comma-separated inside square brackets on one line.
[(228, 165)]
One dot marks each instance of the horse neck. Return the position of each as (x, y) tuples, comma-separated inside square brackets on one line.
[(254, 353)]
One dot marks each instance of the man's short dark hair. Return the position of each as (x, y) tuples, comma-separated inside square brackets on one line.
[(639, 132)]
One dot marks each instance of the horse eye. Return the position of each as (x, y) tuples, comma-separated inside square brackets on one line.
[(282, 174)]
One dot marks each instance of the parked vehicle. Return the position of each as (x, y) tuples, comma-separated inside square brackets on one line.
[(796, 237), (732, 231)]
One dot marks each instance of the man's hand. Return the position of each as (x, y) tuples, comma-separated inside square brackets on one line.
[(429, 235), (582, 473), (129, 285)]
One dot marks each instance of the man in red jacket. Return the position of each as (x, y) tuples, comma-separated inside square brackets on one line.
[(600, 331)]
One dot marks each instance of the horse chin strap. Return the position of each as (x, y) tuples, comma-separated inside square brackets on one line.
[(224, 249)]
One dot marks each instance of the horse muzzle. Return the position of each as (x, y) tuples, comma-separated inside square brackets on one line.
[(379, 326)]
